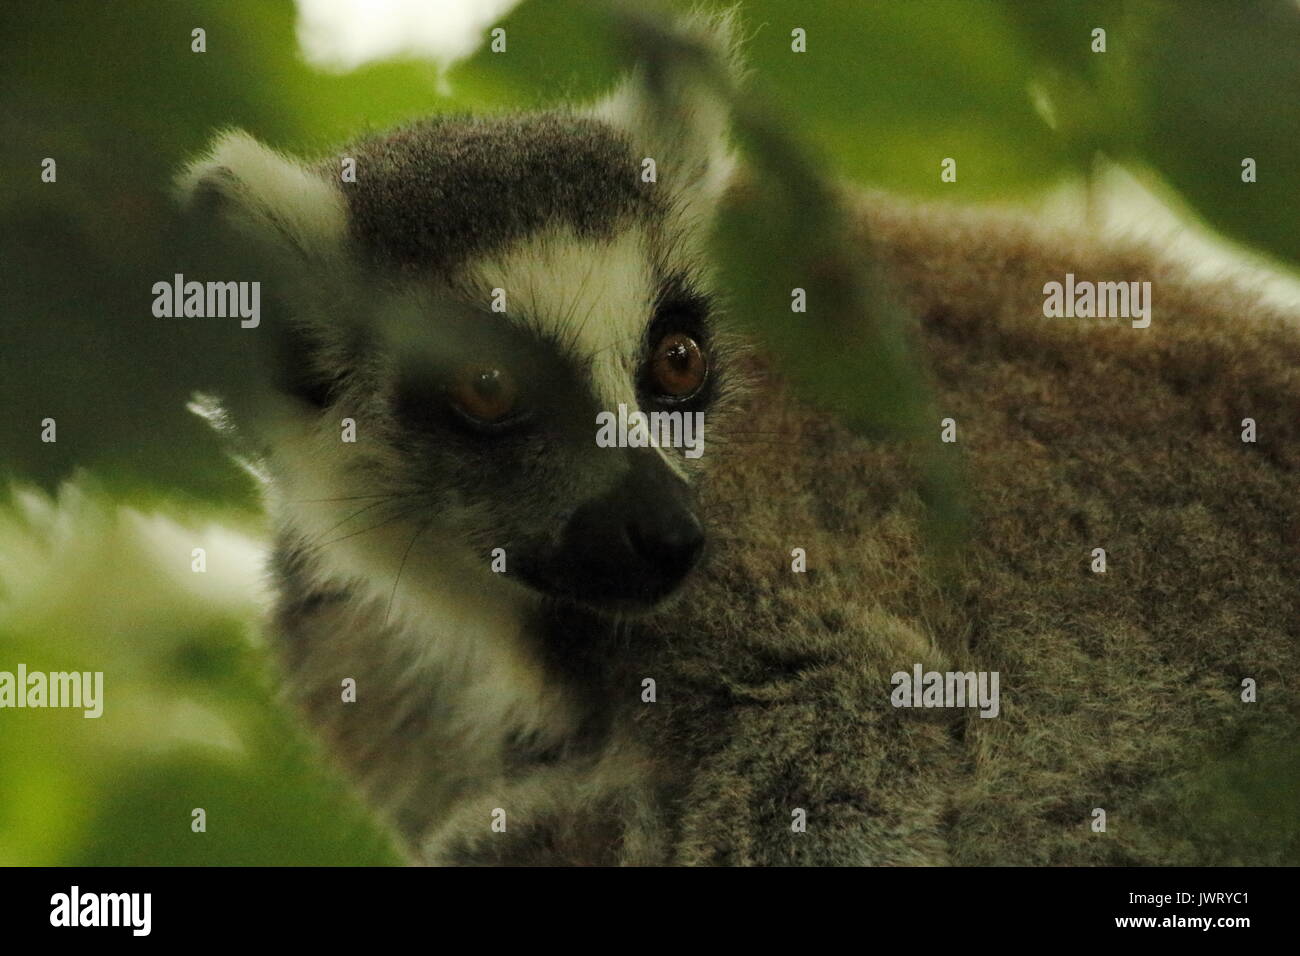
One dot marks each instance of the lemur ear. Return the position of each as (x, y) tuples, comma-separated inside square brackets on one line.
[(259, 203), (675, 107), (267, 197)]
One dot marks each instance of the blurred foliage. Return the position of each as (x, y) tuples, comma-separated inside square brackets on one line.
[(189, 717), (112, 91)]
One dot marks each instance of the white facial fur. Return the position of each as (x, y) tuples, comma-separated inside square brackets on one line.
[(596, 295)]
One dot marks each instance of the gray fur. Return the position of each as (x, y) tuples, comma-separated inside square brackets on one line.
[(434, 194)]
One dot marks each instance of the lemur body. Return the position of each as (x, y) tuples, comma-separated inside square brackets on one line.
[(519, 698)]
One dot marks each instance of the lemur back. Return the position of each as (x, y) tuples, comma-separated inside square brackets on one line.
[(1120, 690)]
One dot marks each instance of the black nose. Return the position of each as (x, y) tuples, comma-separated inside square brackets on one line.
[(634, 543), (669, 539)]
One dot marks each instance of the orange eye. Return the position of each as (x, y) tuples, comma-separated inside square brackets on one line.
[(678, 367), (484, 393)]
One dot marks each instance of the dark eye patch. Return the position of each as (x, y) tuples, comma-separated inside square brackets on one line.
[(679, 307), (546, 388)]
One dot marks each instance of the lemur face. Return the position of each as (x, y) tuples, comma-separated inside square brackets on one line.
[(501, 417), (469, 307)]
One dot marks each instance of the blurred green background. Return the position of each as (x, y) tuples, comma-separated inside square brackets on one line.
[(96, 575)]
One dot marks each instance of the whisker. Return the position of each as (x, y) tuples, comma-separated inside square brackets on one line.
[(402, 567), (354, 514), (300, 501), (353, 534)]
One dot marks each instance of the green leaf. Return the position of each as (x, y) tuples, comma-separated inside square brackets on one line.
[(1221, 82)]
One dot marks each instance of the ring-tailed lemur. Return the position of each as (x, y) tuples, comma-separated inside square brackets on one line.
[(481, 568)]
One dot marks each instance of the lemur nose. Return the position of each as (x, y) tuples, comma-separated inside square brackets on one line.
[(669, 539), (637, 541)]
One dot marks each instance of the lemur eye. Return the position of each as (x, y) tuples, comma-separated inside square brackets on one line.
[(678, 367), (484, 393)]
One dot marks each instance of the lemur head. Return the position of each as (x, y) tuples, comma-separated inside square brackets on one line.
[(482, 291)]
